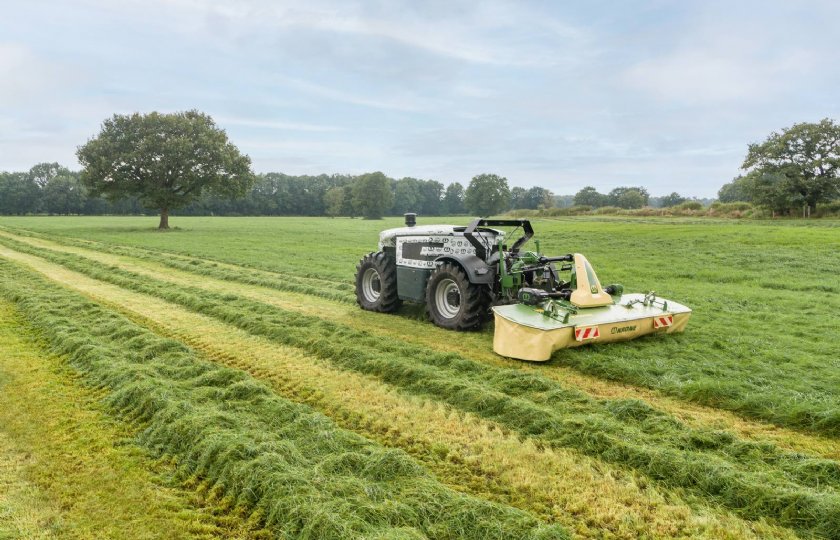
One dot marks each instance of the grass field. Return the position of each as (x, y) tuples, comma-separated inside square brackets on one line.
[(226, 363)]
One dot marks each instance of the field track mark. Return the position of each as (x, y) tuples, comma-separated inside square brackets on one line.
[(81, 460), (584, 494), (469, 345)]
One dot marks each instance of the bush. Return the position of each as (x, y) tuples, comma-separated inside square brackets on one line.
[(689, 205), (579, 209), (738, 209), (607, 210), (725, 208), (648, 211), (568, 211), (831, 209), (524, 212)]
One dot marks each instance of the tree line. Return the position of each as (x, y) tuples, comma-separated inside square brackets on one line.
[(50, 188), (155, 163)]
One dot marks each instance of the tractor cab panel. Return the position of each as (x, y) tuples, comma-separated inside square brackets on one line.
[(418, 250)]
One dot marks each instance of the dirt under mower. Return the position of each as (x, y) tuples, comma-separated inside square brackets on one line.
[(467, 275)]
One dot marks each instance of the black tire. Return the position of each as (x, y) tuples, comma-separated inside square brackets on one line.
[(376, 283), (453, 302)]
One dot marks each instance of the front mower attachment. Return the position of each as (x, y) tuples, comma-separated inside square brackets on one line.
[(534, 333)]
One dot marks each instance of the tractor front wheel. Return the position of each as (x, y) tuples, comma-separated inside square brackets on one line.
[(453, 302), (376, 283)]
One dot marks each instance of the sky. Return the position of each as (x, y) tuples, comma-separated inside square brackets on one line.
[(663, 94)]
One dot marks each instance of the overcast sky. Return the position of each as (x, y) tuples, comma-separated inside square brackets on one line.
[(559, 94)]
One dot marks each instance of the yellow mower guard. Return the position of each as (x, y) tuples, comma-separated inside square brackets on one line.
[(524, 333)]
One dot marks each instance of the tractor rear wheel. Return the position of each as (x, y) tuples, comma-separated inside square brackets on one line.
[(453, 302), (376, 283)]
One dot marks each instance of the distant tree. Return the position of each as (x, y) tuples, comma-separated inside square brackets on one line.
[(453, 199), (589, 196), (631, 198), (19, 194), (407, 196), (736, 191), (431, 192), (671, 200), (807, 155), (42, 173), (487, 194), (261, 197), (347, 206), (773, 191), (334, 201), (628, 197), (538, 197), (165, 160), (517, 198), (564, 201), (372, 195), (96, 206), (65, 195)]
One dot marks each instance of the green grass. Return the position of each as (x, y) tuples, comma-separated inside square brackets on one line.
[(765, 295), (294, 467), (754, 479), (469, 454), (762, 340)]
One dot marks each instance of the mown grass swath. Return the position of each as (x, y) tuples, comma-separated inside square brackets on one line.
[(66, 470), (755, 346), (754, 479), (308, 478)]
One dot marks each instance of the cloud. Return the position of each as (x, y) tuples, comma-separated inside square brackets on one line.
[(724, 72), (402, 102), (494, 33), (26, 76), (427, 38), (223, 121)]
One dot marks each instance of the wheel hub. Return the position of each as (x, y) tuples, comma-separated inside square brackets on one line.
[(448, 298), (371, 285)]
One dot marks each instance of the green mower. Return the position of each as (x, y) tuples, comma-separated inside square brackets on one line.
[(467, 275)]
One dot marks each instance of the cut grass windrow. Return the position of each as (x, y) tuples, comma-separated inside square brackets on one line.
[(472, 455), (756, 480), (308, 478), (471, 345), (791, 384), (78, 475)]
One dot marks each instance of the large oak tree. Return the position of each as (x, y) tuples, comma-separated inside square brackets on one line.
[(165, 160), (802, 160)]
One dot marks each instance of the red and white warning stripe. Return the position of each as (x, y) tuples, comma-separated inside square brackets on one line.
[(587, 332), (663, 321)]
